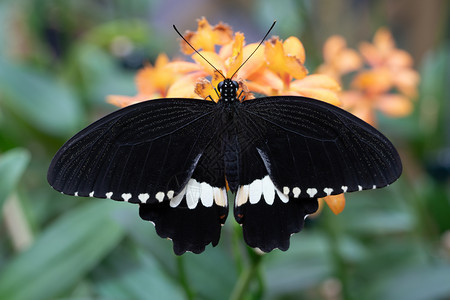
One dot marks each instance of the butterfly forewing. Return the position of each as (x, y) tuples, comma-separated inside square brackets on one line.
[(143, 153), (314, 149)]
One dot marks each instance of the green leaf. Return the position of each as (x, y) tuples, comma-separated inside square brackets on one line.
[(142, 278), (305, 264), (63, 254), (12, 166), (211, 275), (40, 99), (421, 282)]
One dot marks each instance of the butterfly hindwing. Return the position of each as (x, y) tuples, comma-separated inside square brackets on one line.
[(194, 218)]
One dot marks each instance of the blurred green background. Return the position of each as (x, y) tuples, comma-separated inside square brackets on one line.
[(60, 59)]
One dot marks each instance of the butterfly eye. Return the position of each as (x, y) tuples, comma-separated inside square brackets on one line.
[(236, 85), (220, 86)]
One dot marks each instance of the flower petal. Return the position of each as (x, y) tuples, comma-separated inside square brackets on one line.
[(374, 81), (122, 101), (295, 68), (205, 90), (235, 60), (336, 203), (293, 46), (213, 58), (183, 67), (317, 81), (254, 65), (206, 36), (359, 104), (371, 54), (282, 63), (383, 40), (144, 80), (398, 58), (265, 82), (394, 105), (275, 56), (325, 95), (348, 61), (332, 47), (184, 87), (407, 81)]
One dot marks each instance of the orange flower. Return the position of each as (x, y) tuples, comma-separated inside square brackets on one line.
[(228, 60), (338, 59), (151, 82), (384, 54), (286, 74), (387, 85), (206, 37)]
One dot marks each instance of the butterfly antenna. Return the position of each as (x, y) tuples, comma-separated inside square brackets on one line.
[(262, 40), (174, 27)]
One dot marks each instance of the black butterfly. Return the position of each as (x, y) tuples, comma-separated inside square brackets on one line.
[(175, 157)]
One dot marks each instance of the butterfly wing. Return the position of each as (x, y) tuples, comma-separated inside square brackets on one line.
[(147, 154), (305, 149)]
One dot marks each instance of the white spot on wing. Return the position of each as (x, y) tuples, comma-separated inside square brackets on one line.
[(206, 194), (143, 197), (126, 196), (344, 188), (242, 195), (192, 193), (374, 187), (170, 194), (328, 191), (283, 197), (311, 192), (109, 195), (91, 194), (175, 201), (360, 188), (255, 191), (159, 196), (220, 196), (296, 191), (265, 159), (268, 190), (76, 194), (285, 190)]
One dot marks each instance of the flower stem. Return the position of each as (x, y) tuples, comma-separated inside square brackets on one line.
[(340, 266), (242, 286), (236, 240), (190, 295), (17, 225)]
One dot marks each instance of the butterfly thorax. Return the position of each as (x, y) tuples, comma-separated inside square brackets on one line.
[(228, 90)]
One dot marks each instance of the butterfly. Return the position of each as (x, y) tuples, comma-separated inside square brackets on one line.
[(176, 158)]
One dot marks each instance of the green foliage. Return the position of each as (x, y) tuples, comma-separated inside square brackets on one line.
[(62, 253), (12, 166), (34, 96), (56, 69)]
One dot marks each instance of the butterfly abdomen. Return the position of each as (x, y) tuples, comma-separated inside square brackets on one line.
[(231, 160)]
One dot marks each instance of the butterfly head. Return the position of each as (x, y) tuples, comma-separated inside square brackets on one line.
[(228, 90)]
